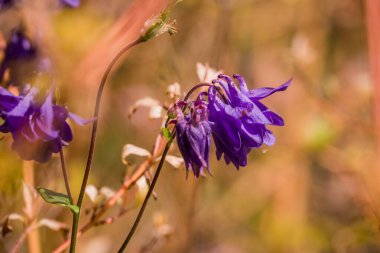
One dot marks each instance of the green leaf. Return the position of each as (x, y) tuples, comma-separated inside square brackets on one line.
[(57, 198), (166, 133)]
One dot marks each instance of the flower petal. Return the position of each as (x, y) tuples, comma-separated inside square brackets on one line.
[(266, 91), (7, 100), (23, 106), (79, 120)]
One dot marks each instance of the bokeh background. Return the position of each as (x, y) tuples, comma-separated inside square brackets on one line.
[(314, 191)]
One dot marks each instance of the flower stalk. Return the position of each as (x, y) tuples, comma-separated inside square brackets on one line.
[(93, 138), (65, 176), (147, 197)]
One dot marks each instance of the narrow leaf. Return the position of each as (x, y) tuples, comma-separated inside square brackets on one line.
[(57, 198)]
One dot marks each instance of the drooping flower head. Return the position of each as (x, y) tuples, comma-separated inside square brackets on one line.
[(38, 128), (238, 119), (193, 136)]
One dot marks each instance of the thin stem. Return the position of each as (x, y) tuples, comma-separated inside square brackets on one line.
[(147, 197), (96, 114), (93, 138), (194, 89), (65, 177), (74, 230)]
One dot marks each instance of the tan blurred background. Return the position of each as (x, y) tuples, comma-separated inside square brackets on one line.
[(314, 191)]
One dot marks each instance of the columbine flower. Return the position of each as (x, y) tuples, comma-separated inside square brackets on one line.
[(18, 47), (38, 129), (238, 119), (193, 137)]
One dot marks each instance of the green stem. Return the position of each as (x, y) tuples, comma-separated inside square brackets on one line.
[(147, 197), (74, 231)]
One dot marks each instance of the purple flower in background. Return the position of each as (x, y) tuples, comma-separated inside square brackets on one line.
[(70, 3), (193, 137), (238, 119), (5, 4), (38, 129), (19, 47)]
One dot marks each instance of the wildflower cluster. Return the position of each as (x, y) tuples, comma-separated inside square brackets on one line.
[(235, 118)]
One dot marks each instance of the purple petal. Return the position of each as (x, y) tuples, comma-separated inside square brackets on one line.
[(80, 121), (273, 117), (46, 118), (243, 84), (266, 91), (71, 3), (269, 138), (65, 133), (24, 105), (7, 100)]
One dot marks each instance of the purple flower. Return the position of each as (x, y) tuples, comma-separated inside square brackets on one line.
[(38, 128), (193, 137), (19, 47), (238, 119), (5, 4), (71, 3)]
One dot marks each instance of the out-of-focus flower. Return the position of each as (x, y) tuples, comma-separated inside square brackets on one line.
[(5, 4), (193, 137), (173, 90), (38, 128), (70, 3), (206, 74), (155, 108), (19, 47), (238, 119), (302, 50)]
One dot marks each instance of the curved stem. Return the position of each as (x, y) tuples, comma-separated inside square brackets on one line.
[(93, 138), (194, 89), (147, 197), (96, 114), (65, 177)]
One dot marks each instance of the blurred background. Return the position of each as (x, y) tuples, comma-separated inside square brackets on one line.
[(314, 191)]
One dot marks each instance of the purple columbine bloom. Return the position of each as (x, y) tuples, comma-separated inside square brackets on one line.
[(19, 47), (193, 137), (238, 119), (38, 129)]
